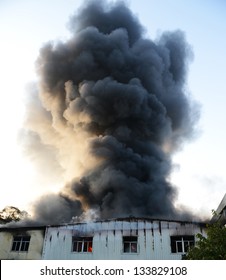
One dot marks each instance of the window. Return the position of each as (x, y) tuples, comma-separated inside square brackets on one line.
[(181, 244), (130, 244), (21, 243), (82, 244)]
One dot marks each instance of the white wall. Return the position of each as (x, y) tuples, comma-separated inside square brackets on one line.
[(35, 246), (153, 239)]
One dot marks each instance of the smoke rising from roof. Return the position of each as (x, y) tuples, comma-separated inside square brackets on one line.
[(110, 109)]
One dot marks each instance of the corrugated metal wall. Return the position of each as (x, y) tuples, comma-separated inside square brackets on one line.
[(153, 239)]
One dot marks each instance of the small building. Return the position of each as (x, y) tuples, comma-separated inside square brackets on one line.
[(220, 214), (21, 243), (121, 239)]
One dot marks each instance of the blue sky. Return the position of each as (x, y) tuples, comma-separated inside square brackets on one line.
[(199, 167)]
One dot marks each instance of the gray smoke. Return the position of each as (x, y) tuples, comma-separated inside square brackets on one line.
[(111, 108)]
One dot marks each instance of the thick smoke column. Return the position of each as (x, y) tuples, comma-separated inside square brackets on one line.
[(111, 109)]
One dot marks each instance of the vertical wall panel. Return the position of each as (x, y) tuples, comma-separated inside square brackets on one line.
[(153, 239)]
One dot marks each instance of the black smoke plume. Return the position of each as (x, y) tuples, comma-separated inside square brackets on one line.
[(110, 109)]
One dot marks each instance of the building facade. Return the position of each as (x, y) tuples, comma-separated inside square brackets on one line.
[(126, 239), (119, 239), (21, 243), (220, 214)]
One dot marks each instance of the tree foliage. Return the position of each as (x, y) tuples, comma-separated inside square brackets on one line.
[(212, 247), (10, 214)]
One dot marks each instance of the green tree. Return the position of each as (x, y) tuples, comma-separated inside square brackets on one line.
[(212, 247), (10, 214)]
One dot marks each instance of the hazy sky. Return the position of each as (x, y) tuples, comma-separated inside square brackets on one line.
[(25, 25)]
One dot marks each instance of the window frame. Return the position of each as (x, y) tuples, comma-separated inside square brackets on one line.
[(130, 244), (180, 244), (21, 243), (82, 244)]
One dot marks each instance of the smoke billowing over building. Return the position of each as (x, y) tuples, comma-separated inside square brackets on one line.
[(110, 109)]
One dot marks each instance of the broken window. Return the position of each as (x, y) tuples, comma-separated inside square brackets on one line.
[(130, 244), (182, 243), (82, 244), (21, 243)]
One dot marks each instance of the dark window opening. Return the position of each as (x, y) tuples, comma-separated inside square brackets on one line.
[(82, 244), (21, 243), (182, 243), (130, 244)]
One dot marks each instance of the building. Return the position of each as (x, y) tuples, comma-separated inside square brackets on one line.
[(21, 243), (220, 214), (119, 239), (126, 239)]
